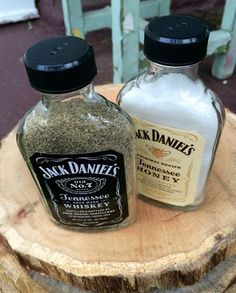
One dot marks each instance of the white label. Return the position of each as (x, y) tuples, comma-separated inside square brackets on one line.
[(168, 162)]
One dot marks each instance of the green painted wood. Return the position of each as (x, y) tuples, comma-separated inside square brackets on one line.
[(116, 41), (130, 41), (153, 8), (149, 8), (123, 17), (142, 24), (164, 7), (228, 18), (73, 17), (125, 39), (97, 19), (218, 42), (128, 27), (66, 16), (224, 64)]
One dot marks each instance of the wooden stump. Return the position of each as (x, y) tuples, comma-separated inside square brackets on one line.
[(13, 277), (162, 249)]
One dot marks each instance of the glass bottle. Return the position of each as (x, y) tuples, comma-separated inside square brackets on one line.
[(79, 147), (178, 119)]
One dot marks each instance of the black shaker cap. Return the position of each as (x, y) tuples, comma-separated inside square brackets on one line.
[(176, 40), (60, 64)]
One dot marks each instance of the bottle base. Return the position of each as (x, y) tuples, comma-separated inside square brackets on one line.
[(93, 229), (151, 201)]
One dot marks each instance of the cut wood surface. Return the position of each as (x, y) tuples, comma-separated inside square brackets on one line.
[(162, 249)]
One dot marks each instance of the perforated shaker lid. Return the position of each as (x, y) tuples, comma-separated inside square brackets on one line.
[(60, 64), (176, 40)]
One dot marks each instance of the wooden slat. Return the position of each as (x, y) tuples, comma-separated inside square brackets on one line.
[(97, 19)]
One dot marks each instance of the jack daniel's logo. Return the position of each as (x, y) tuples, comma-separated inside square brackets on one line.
[(72, 167), (155, 136)]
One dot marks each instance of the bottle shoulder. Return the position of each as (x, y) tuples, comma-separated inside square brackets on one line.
[(171, 90), (118, 111), (74, 126), (95, 110), (183, 104)]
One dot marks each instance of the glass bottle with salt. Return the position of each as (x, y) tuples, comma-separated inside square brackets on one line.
[(178, 119), (79, 147)]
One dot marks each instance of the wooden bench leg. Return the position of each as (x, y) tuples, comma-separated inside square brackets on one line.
[(224, 64), (125, 39), (73, 17), (125, 35)]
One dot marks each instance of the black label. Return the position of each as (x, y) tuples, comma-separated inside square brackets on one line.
[(85, 190)]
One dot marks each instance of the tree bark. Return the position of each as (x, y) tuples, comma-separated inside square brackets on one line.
[(13, 276)]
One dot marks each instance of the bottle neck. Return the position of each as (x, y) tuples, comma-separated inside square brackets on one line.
[(84, 93), (155, 69)]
